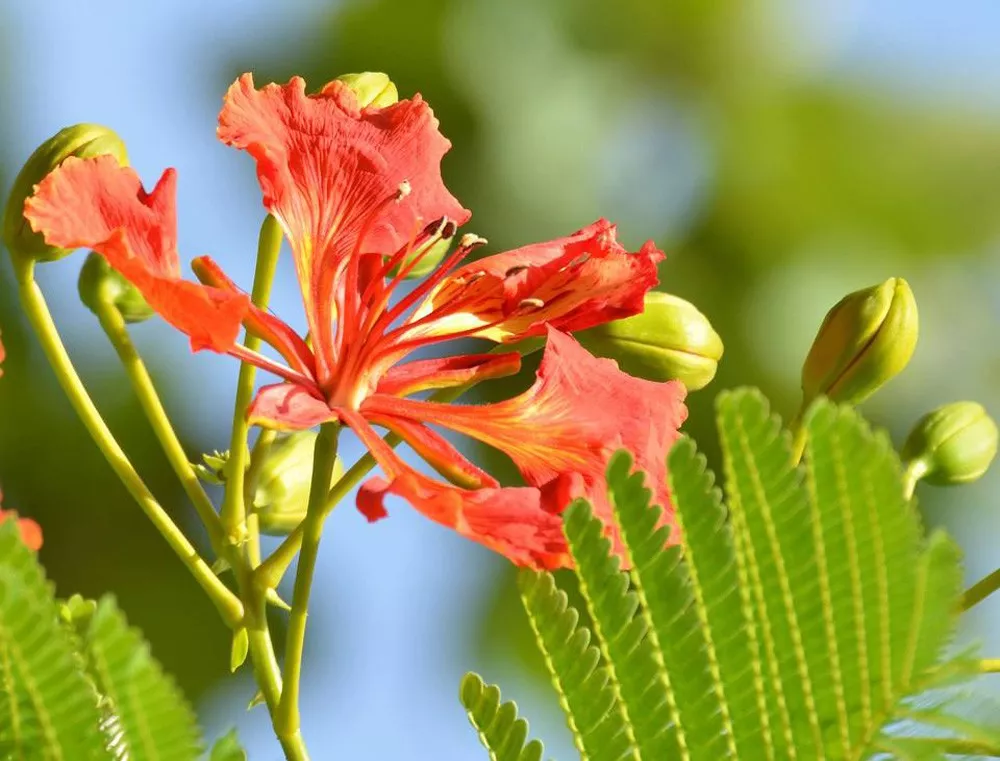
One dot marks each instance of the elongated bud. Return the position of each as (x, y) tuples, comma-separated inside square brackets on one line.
[(373, 88), (282, 493), (81, 140), (670, 340), (864, 341), (99, 282), (954, 444)]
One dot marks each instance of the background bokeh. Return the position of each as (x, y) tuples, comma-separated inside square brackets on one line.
[(781, 152)]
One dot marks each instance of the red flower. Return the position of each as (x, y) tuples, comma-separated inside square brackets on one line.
[(358, 191), (31, 532), (95, 203), (3, 356)]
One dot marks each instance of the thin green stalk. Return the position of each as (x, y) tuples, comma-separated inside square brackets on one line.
[(37, 310), (912, 473), (240, 528), (799, 437), (981, 590), (114, 326), (234, 517), (272, 570), (286, 721), (258, 456)]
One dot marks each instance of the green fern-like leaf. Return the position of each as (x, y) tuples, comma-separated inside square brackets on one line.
[(637, 680), (808, 620), (148, 718), (593, 713), (47, 709), (500, 730), (228, 748), (855, 606)]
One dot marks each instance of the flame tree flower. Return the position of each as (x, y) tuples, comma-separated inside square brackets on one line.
[(31, 532), (357, 190)]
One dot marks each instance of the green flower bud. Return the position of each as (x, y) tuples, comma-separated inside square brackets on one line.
[(864, 341), (81, 140), (372, 88), (77, 611), (670, 340), (212, 469), (100, 282), (282, 492), (954, 444)]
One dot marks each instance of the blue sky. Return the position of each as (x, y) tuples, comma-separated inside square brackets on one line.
[(384, 646)]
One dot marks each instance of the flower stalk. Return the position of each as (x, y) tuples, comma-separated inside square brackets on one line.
[(234, 514), (114, 326), (286, 719), (37, 311)]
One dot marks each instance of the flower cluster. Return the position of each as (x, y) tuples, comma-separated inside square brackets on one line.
[(356, 186)]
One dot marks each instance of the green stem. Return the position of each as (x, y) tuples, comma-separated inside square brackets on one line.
[(799, 437), (234, 517), (241, 529), (271, 571), (40, 318), (913, 472), (114, 326), (286, 721), (258, 456), (981, 590)]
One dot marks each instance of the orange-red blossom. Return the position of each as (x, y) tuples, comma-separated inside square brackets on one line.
[(358, 193)]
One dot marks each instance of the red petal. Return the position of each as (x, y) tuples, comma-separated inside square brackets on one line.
[(31, 532), (437, 451), (288, 407), (510, 521), (570, 284), (562, 431), (327, 169), (95, 203), (264, 325), (3, 356), (445, 372)]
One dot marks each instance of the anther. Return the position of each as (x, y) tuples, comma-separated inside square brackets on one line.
[(531, 303), (471, 240), (515, 270)]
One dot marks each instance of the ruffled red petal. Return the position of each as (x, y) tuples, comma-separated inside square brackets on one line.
[(327, 169), (260, 323), (562, 431), (572, 283), (288, 407), (510, 521), (95, 203)]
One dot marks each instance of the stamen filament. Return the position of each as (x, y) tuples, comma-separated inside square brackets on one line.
[(265, 363)]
